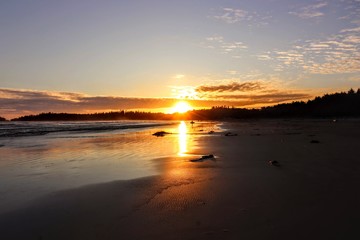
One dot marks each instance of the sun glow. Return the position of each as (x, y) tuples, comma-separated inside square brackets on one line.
[(181, 107)]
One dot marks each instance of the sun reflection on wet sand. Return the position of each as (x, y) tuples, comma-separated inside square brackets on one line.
[(183, 141)]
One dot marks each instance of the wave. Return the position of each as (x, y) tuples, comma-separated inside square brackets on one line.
[(23, 129)]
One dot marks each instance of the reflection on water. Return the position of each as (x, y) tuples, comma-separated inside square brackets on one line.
[(182, 139), (33, 166)]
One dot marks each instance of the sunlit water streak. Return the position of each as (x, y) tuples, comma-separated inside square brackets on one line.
[(183, 137)]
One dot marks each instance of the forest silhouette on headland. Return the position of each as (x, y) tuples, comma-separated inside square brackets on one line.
[(343, 104)]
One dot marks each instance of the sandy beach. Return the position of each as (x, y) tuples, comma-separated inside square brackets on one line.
[(273, 179)]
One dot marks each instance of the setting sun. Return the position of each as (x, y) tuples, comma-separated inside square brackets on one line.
[(181, 107)]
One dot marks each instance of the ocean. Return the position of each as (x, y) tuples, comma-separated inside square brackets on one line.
[(21, 129), (37, 158)]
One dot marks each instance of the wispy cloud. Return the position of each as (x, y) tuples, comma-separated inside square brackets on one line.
[(232, 72), (251, 93), (268, 98), (225, 47), (339, 53), (236, 15), (310, 11), (231, 15), (290, 57), (264, 57), (357, 29), (352, 11), (179, 76), (231, 87)]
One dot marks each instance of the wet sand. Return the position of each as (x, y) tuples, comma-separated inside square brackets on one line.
[(313, 193)]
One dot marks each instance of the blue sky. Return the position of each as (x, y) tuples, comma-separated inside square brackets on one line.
[(172, 49)]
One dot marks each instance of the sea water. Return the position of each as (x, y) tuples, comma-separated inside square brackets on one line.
[(37, 158)]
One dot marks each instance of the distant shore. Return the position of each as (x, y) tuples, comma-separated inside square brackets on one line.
[(271, 179)]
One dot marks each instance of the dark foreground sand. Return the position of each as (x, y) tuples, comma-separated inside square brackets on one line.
[(313, 194)]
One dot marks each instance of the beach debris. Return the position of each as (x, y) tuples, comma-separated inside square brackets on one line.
[(160, 133), (314, 141), (230, 134), (274, 163), (210, 132), (203, 158)]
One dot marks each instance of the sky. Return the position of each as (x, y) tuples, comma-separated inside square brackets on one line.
[(89, 56)]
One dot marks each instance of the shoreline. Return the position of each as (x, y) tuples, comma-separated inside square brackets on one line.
[(31, 128), (312, 194)]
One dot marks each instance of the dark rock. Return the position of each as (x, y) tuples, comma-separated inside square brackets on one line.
[(203, 158), (274, 163), (160, 133)]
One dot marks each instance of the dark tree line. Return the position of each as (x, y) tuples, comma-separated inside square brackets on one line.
[(2, 119), (343, 104), (121, 115)]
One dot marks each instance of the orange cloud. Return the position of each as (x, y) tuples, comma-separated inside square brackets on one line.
[(231, 87)]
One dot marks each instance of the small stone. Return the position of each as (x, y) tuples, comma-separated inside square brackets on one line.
[(274, 163)]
